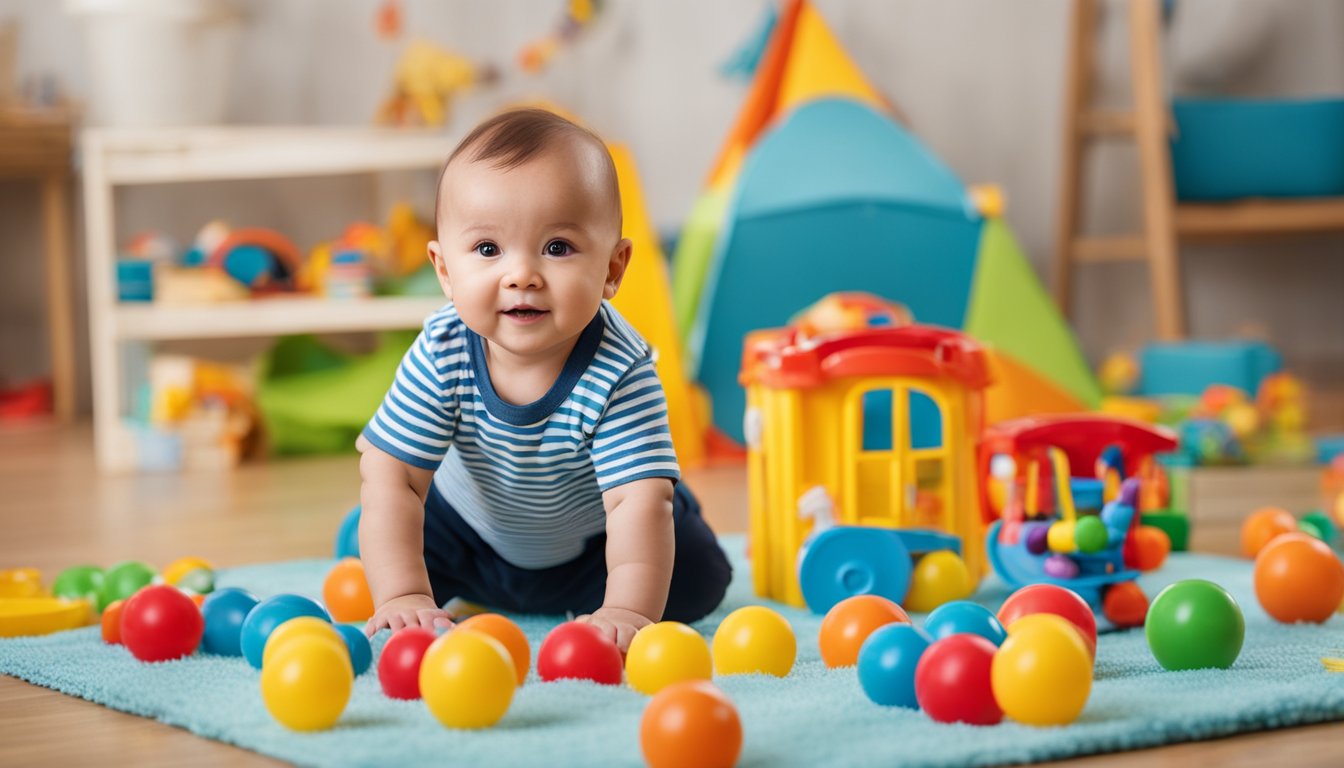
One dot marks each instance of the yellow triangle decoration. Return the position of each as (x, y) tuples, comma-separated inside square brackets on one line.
[(818, 67), (645, 299)]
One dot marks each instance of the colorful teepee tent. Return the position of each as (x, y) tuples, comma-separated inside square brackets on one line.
[(819, 190)]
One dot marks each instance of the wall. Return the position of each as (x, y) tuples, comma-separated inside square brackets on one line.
[(979, 80)]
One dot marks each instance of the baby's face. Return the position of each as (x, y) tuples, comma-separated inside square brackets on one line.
[(527, 254)]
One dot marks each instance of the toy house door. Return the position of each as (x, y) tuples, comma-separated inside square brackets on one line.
[(897, 458)]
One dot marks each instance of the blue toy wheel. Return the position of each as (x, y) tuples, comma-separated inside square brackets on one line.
[(845, 561), (347, 538)]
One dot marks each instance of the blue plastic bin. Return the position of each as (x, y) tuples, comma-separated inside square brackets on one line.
[(1188, 368), (1225, 149)]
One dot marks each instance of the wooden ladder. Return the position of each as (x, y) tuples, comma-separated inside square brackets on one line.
[(1165, 221)]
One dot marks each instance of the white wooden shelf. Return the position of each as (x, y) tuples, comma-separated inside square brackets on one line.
[(115, 158), (212, 154), (272, 317)]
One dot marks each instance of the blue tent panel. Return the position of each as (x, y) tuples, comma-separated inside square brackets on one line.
[(770, 267), (838, 150)]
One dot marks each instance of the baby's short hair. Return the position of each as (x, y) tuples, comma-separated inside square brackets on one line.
[(511, 138)]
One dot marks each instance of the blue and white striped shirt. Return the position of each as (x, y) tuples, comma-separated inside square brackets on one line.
[(529, 478)]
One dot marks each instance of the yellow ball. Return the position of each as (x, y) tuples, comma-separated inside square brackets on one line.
[(1042, 674), (467, 679), (302, 626), (1060, 538), (754, 639), (665, 653), (939, 577), (179, 568), (307, 683)]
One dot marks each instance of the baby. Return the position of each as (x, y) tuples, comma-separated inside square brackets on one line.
[(522, 458)]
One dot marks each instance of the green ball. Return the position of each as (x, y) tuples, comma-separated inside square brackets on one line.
[(123, 580), (1090, 534), (80, 581), (1195, 624), (1311, 529), (1319, 524)]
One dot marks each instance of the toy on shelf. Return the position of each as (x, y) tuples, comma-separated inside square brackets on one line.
[(427, 80), (194, 414), (1227, 426), (139, 260), (226, 264), (368, 259), (860, 453), (1066, 492), (262, 260)]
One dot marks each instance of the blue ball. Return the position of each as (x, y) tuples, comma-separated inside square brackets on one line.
[(224, 611), (249, 264), (887, 662), (361, 653), (270, 613), (964, 617), (347, 538)]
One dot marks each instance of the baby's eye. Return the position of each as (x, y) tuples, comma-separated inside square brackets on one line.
[(558, 248), (488, 250)]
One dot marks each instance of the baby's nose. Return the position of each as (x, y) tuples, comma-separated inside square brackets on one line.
[(523, 273)]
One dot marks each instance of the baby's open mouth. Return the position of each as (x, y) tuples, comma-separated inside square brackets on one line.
[(525, 313)]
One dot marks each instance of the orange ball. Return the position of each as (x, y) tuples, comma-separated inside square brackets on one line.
[(690, 724), (112, 622), (1125, 605), (1151, 547), (850, 622), (508, 634), (1262, 527), (346, 592), (1298, 578)]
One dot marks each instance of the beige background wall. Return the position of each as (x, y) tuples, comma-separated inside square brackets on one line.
[(979, 80)]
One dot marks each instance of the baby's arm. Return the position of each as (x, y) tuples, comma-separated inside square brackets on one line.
[(640, 549), (391, 541)]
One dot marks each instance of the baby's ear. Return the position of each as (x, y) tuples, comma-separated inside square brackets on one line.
[(620, 259), (435, 252)]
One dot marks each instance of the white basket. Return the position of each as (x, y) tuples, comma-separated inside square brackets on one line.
[(158, 62)]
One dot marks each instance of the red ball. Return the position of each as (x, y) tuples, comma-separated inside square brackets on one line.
[(399, 666), (952, 681), (1051, 598), (581, 652), (160, 623)]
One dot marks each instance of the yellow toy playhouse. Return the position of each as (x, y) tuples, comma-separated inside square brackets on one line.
[(843, 492)]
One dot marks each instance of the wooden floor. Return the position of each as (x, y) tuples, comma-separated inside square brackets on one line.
[(56, 511)]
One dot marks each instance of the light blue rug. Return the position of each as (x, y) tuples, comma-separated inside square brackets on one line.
[(813, 717)]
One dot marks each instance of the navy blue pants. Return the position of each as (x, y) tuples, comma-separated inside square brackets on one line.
[(461, 564)]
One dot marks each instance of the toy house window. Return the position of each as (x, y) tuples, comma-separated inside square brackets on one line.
[(926, 420)]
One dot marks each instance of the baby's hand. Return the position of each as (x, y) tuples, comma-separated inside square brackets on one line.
[(618, 624), (408, 611)]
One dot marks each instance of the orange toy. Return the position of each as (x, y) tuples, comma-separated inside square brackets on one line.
[(1151, 547), (690, 724), (850, 622), (1125, 604), (346, 592), (1262, 527), (1299, 578), (112, 622), (508, 634)]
